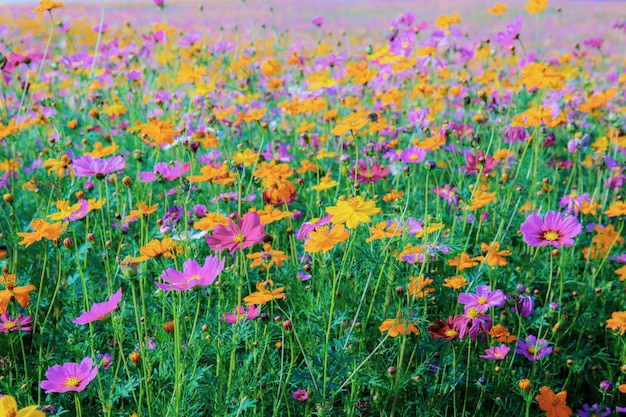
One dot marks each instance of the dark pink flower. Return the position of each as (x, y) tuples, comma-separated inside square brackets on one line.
[(554, 230), (99, 311), (192, 275), (69, 377), (237, 236)]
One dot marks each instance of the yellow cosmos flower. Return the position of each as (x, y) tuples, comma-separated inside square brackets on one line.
[(353, 211)]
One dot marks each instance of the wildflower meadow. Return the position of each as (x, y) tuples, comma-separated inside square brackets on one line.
[(312, 208)]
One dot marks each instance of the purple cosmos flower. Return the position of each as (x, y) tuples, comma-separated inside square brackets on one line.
[(241, 313), (300, 395), (524, 305), (165, 172), (554, 230), (105, 360), (192, 275), (593, 411), (496, 353), (506, 39), (534, 349), (99, 311), (88, 166), (69, 377), (81, 212), (21, 323), (483, 299)]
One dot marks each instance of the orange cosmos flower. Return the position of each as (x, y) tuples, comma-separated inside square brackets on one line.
[(263, 295), (11, 291), (267, 257), (455, 282), (617, 321), (618, 208), (498, 9), (553, 404), (47, 5), (417, 287), (501, 334), (165, 248), (142, 210), (397, 326), (42, 229), (444, 22), (462, 261), (491, 256), (323, 240), (536, 6), (210, 221)]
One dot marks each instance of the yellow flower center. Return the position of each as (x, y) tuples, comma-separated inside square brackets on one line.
[(72, 382), (194, 278), (451, 333), (472, 313), (9, 325), (531, 350), (239, 238), (482, 301), (551, 235), (497, 355)]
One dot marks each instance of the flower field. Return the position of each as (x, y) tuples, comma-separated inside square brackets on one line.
[(312, 208)]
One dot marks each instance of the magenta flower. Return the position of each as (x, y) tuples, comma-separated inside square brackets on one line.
[(300, 395), (472, 323), (192, 275), (99, 311), (496, 353), (87, 166), (241, 313), (554, 230), (69, 377), (237, 236), (483, 299), (21, 323), (165, 172), (534, 349)]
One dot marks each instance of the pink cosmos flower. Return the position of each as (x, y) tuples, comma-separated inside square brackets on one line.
[(99, 311), (554, 230), (192, 275), (300, 395), (165, 172), (69, 377), (241, 313), (88, 166), (483, 299), (413, 155), (496, 353), (237, 236), (21, 323)]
